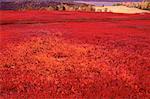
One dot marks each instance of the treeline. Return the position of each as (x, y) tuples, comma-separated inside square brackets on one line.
[(32, 5)]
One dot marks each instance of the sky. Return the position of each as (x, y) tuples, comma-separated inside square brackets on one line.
[(75, 0)]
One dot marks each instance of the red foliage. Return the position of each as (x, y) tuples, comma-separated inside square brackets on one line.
[(74, 54)]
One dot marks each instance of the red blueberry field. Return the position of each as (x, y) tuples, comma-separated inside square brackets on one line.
[(54, 54)]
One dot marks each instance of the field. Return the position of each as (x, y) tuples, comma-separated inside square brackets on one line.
[(74, 54), (121, 9)]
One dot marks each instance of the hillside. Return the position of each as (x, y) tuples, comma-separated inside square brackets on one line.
[(34, 5)]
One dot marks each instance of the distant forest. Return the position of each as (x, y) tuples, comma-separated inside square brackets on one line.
[(77, 0)]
